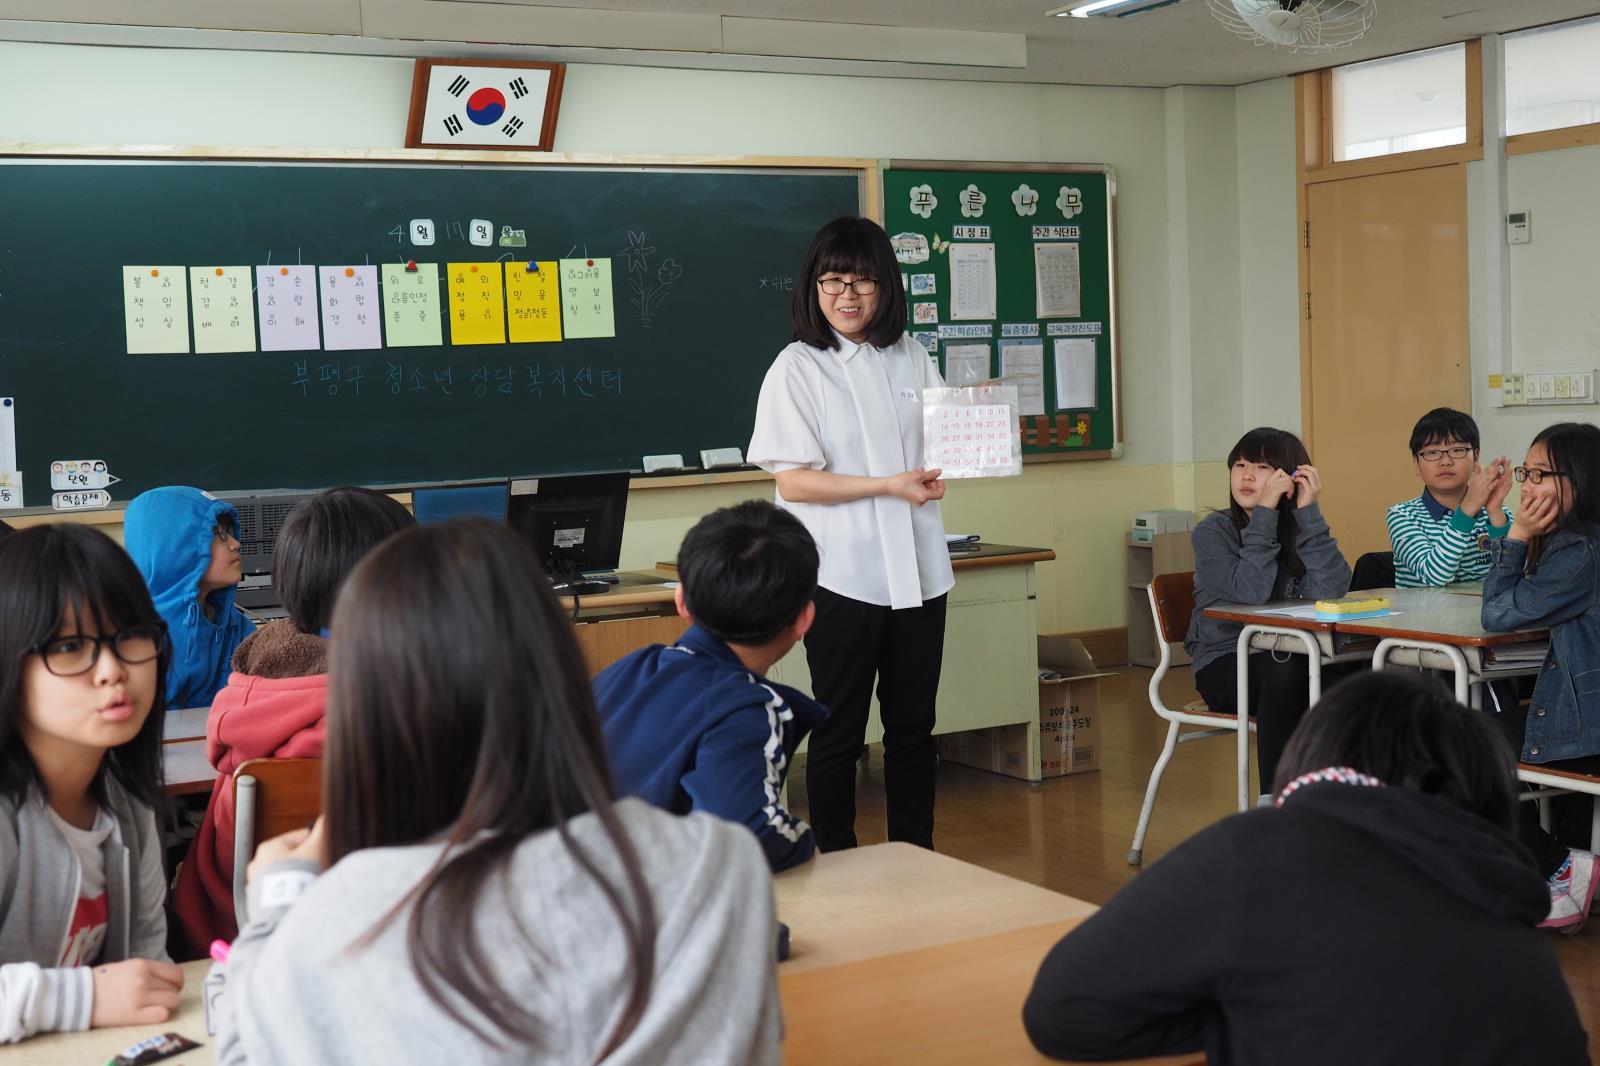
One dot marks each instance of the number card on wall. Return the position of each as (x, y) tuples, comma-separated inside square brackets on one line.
[(155, 303), (586, 305), (223, 321), (286, 303), (477, 304), (972, 432), (533, 302), (411, 305)]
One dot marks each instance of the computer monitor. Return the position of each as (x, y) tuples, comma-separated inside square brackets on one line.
[(261, 516), (440, 503), (574, 522)]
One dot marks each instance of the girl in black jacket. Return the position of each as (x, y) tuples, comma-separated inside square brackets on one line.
[(1383, 912)]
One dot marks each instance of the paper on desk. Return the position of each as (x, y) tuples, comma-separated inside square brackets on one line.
[(1308, 610)]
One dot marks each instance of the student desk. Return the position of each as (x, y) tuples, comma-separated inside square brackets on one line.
[(187, 770), (901, 956), (186, 724)]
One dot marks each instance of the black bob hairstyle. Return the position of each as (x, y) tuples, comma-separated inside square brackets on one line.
[(321, 541), (856, 246), (1408, 731)]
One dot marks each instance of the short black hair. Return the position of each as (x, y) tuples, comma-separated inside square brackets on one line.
[(747, 571), (849, 245), (1444, 424), (1408, 731), (321, 541)]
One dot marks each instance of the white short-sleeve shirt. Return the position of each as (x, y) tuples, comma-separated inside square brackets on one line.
[(857, 409)]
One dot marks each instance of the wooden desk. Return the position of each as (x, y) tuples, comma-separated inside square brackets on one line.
[(845, 906), (957, 1003), (187, 770)]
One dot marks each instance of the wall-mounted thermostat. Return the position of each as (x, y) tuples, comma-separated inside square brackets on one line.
[(1519, 227)]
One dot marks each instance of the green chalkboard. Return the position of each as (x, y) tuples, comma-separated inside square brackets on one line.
[(1038, 219), (703, 265)]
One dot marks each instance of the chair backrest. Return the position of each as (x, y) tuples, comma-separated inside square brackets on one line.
[(288, 794), (270, 796), (1174, 599), (1374, 570)]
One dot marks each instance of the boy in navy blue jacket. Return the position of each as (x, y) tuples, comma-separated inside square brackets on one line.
[(697, 727)]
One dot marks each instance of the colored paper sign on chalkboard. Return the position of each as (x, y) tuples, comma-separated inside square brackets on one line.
[(587, 309), (286, 304), (411, 316), (350, 308), (155, 305), (533, 302), (220, 299), (477, 304)]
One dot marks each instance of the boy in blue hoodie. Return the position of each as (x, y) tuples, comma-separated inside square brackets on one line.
[(185, 543), (697, 726)]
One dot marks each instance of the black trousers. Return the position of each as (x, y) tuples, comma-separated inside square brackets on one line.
[(1569, 813), (850, 645), (1278, 699)]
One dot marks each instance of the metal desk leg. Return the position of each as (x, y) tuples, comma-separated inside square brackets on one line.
[(1449, 651), (1242, 680)]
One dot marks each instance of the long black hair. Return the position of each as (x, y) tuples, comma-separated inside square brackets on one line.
[(45, 571), (459, 710), (856, 246), (1408, 731), (1574, 449), (1282, 450)]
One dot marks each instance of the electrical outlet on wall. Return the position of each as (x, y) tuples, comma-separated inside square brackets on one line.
[(1554, 387)]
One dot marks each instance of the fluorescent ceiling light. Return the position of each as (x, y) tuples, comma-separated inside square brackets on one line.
[(1118, 8)]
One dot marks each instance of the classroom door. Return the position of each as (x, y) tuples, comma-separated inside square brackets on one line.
[(1388, 338)]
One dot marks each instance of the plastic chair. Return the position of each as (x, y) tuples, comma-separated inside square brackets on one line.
[(270, 796), (1172, 604)]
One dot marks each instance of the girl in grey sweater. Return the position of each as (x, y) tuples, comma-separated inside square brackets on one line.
[(82, 658), (485, 898), (1272, 543)]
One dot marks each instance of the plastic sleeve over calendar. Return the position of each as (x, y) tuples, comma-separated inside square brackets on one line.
[(972, 431)]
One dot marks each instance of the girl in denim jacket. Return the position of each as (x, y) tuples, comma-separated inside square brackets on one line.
[(1545, 575)]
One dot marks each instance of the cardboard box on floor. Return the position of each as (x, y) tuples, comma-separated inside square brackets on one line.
[(1069, 721)]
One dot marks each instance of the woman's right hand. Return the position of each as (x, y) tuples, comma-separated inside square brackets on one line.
[(1278, 485), (135, 992), (916, 487)]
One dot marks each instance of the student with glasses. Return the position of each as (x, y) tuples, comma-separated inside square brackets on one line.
[(82, 657), (1544, 575), (186, 544), (1443, 535), (839, 425)]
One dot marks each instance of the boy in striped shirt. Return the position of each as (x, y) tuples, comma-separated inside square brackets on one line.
[(1443, 536)]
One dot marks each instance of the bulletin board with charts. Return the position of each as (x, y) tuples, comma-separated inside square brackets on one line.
[(1010, 272)]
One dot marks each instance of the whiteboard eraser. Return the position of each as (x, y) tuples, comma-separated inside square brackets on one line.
[(655, 463), (711, 458)]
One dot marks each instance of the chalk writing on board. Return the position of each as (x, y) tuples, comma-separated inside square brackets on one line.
[(779, 282), (649, 286), (313, 380)]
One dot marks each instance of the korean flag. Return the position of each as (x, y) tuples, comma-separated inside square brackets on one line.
[(494, 106)]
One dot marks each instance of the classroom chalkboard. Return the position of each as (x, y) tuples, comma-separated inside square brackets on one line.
[(1010, 271), (702, 269)]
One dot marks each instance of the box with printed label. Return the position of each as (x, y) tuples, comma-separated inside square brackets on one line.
[(1069, 720)]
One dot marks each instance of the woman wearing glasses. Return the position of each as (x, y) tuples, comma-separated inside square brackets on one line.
[(82, 654), (839, 425), (1544, 575)]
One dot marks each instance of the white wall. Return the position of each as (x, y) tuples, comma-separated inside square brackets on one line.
[(1555, 287)]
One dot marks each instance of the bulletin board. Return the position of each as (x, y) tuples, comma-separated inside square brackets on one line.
[(1010, 271)]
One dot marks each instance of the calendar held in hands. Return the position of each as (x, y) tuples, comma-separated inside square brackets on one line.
[(972, 431)]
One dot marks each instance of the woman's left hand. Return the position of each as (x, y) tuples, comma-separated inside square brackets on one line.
[(1308, 485)]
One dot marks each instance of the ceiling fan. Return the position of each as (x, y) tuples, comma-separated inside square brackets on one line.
[(1298, 25)]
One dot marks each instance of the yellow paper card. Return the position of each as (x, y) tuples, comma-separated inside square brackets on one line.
[(533, 302), (477, 305)]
